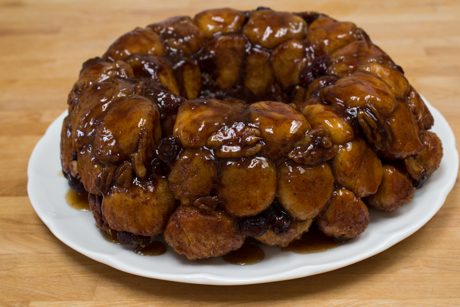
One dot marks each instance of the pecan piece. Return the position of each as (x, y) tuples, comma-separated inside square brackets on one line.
[(236, 141), (314, 147), (374, 127)]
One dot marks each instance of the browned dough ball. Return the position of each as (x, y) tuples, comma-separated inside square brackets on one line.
[(431, 154), (246, 187), (344, 217), (325, 117), (357, 167), (192, 175), (395, 190), (179, 33), (269, 28), (280, 126), (328, 35), (219, 21), (142, 209), (304, 190), (138, 40), (405, 131), (202, 233), (295, 231)]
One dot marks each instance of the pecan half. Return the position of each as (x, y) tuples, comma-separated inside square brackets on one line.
[(375, 128), (314, 147), (236, 141)]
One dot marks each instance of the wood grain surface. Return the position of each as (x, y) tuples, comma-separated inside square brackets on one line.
[(42, 46)]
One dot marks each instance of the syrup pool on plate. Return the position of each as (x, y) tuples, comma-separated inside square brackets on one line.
[(77, 201), (313, 241), (155, 248), (247, 254)]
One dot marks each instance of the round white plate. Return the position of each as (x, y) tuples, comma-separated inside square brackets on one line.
[(77, 229)]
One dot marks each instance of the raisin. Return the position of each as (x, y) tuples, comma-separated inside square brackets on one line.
[(317, 69), (254, 226), (278, 219), (127, 238), (74, 183), (399, 68), (421, 181), (168, 149), (159, 168), (280, 224)]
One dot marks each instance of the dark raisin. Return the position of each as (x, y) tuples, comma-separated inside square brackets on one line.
[(254, 226), (399, 68), (421, 181), (74, 183), (168, 149), (317, 69), (127, 238), (165, 100), (263, 8), (277, 218), (269, 214), (159, 168), (281, 225)]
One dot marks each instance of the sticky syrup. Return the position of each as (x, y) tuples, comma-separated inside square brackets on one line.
[(77, 201), (155, 248), (247, 254), (109, 235), (313, 241)]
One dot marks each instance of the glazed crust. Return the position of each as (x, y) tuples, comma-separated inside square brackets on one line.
[(140, 209), (345, 216), (295, 232), (200, 234), (255, 178), (395, 190), (304, 190)]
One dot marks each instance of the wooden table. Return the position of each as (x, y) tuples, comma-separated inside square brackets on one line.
[(42, 46)]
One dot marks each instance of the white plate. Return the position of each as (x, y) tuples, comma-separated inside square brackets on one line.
[(77, 229)]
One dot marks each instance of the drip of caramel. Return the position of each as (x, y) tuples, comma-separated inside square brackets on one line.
[(313, 241), (247, 254), (77, 201), (110, 235), (155, 248)]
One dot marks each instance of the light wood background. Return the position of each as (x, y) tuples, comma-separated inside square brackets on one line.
[(42, 46)]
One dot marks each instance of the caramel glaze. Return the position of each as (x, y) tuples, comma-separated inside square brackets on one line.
[(77, 201), (109, 235), (219, 87), (155, 248), (246, 255), (313, 241)]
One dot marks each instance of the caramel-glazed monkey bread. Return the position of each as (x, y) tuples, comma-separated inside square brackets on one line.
[(237, 124)]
